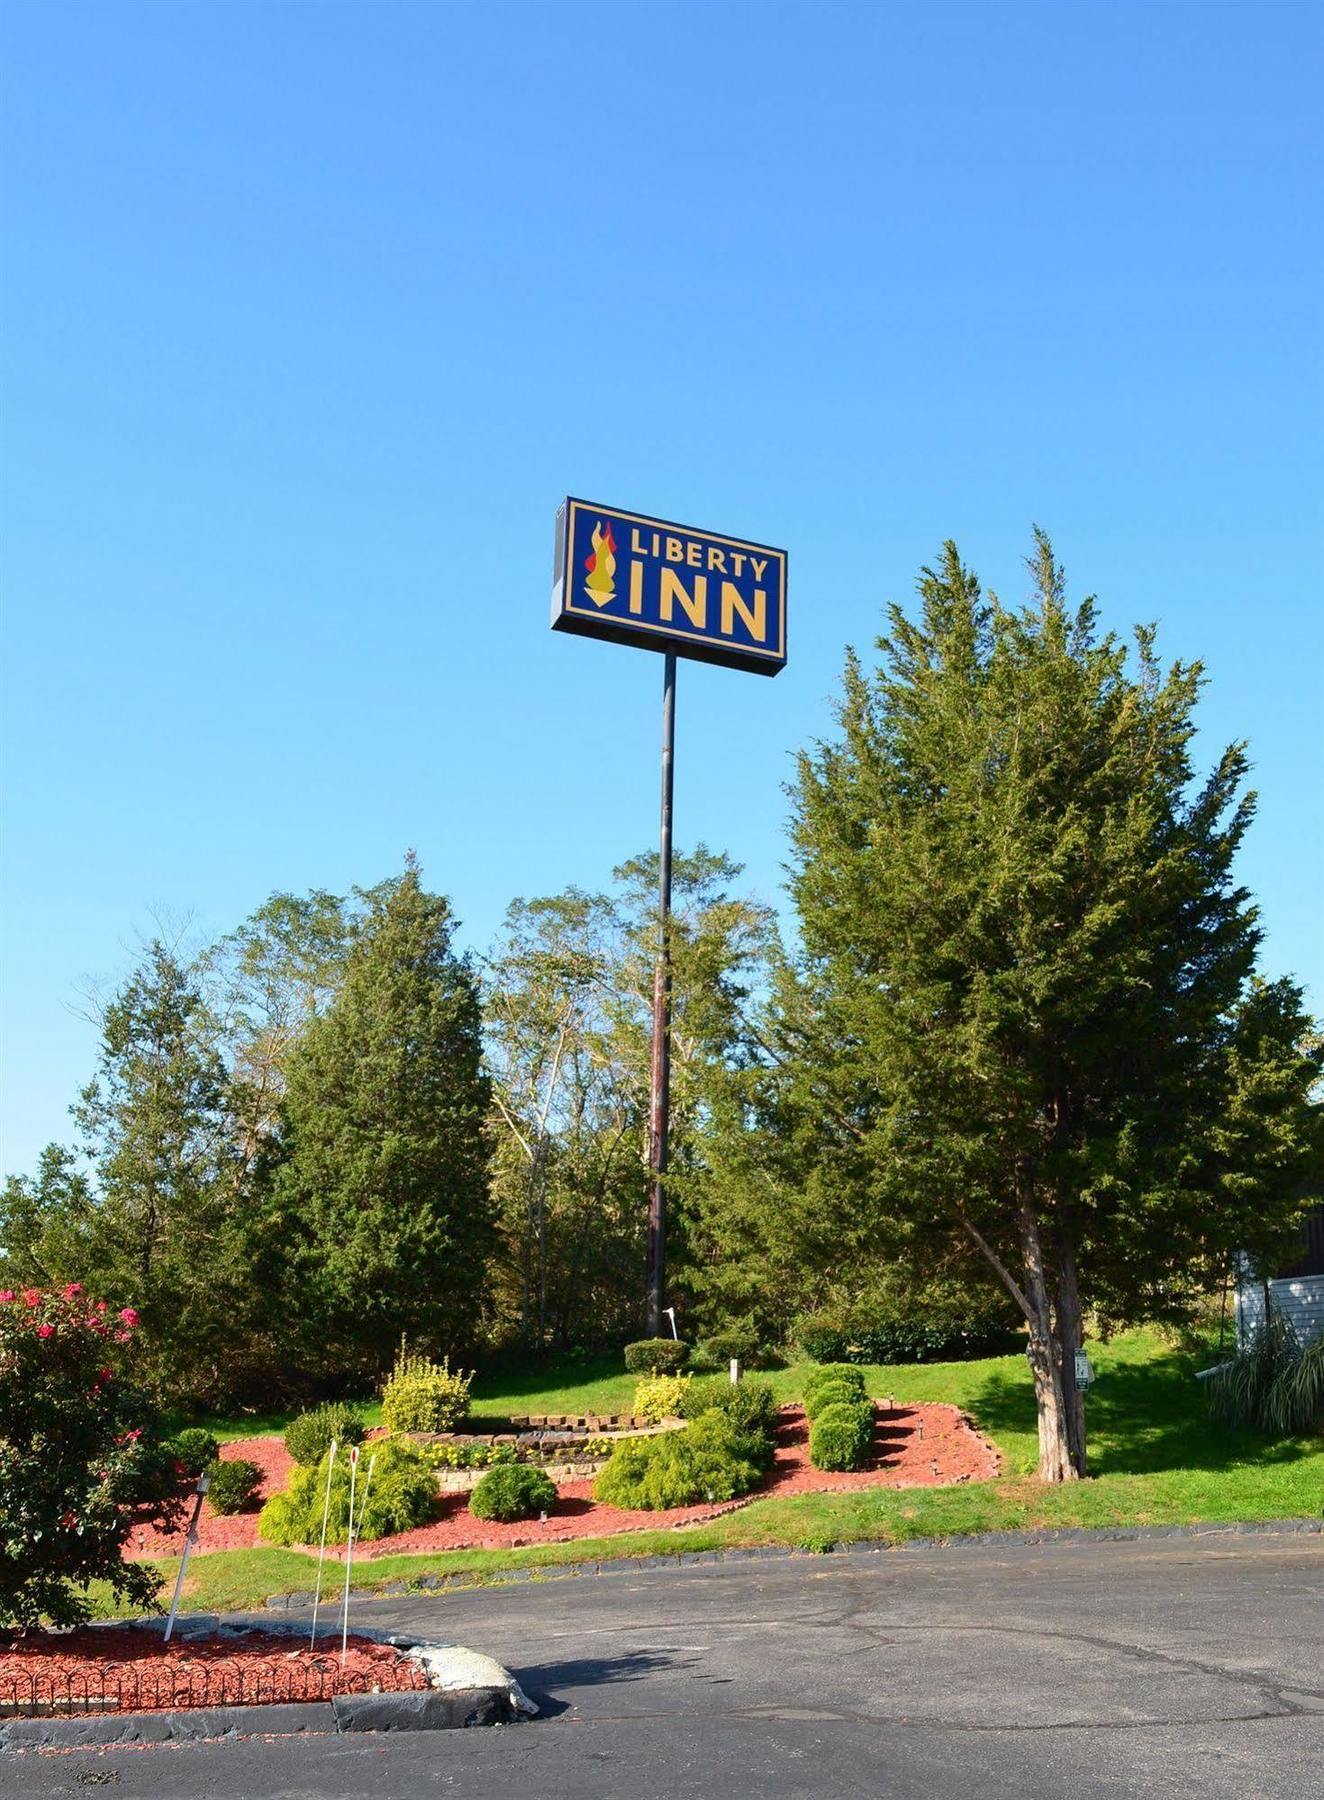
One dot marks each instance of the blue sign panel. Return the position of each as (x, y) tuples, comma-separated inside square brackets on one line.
[(661, 586)]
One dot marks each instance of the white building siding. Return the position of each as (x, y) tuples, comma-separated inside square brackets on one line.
[(1300, 1299)]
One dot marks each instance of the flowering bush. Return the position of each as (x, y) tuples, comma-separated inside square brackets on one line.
[(81, 1460), (422, 1395)]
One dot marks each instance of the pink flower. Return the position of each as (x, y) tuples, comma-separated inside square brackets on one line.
[(6, 1297), (129, 1316), (74, 1287), (101, 1306), (31, 1297), (45, 1331)]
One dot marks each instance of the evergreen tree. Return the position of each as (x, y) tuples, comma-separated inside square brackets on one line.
[(163, 1233), (1027, 1015), (379, 1220)]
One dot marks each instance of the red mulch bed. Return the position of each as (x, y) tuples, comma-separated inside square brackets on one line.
[(136, 1671), (931, 1445), (218, 1531)]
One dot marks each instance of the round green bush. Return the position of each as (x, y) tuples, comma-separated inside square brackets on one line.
[(842, 1436), (831, 1393), (512, 1492), (193, 1448), (708, 1459), (402, 1493), (832, 1372), (656, 1356), (308, 1438), (232, 1484)]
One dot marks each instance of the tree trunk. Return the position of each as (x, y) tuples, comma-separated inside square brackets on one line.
[(1070, 1339), (1055, 1459)]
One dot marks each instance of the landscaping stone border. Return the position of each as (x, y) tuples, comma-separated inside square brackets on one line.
[(467, 1689)]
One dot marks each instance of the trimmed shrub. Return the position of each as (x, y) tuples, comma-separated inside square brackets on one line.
[(422, 1395), (512, 1492), (655, 1356), (661, 1397), (716, 1351), (842, 1435), (193, 1448), (832, 1393), (232, 1484), (751, 1406), (708, 1459), (308, 1438), (81, 1460), (401, 1495), (832, 1376)]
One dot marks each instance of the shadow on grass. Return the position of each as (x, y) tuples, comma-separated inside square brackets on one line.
[(1141, 1417)]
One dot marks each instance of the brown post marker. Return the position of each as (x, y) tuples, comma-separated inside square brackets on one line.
[(659, 1087)]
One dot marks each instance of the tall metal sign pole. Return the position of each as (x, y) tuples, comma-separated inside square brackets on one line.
[(659, 586), (659, 1086)]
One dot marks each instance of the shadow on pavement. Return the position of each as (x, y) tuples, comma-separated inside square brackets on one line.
[(588, 1671)]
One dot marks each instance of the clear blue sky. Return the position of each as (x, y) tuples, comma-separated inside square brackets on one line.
[(313, 312)]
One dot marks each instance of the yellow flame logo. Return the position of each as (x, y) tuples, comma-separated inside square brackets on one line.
[(600, 583)]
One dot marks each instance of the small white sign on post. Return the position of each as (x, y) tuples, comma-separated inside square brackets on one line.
[(1084, 1371)]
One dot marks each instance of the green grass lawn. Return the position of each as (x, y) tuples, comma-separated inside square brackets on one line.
[(1155, 1457)]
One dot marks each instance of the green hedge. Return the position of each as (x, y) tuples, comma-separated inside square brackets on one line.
[(512, 1492), (831, 1375), (842, 1435), (709, 1459), (858, 1337), (232, 1484), (308, 1438), (193, 1448), (656, 1356), (831, 1393), (751, 1406)]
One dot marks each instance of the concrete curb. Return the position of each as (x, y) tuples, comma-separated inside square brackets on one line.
[(467, 1689), (689, 1559)]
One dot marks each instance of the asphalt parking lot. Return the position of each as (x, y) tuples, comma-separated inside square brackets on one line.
[(1190, 1666)]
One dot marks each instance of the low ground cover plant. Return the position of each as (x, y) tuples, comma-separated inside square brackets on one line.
[(656, 1356), (81, 1457), (512, 1492), (193, 1448), (232, 1484), (423, 1395), (710, 1459), (661, 1397), (401, 1494), (842, 1435), (468, 1456), (308, 1438)]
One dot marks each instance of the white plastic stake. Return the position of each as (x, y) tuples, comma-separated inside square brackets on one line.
[(671, 1314), (191, 1538), (321, 1554), (735, 1370), (349, 1547)]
